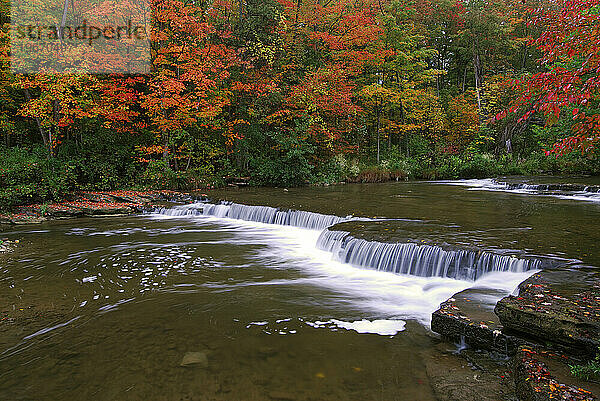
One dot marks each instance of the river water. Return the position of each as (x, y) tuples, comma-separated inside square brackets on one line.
[(107, 309)]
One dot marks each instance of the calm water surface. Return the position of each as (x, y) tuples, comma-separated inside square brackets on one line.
[(106, 309)]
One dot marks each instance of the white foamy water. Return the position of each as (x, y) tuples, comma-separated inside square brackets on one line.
[(562, 191), (419, 260), (377, 295), (381, 327)]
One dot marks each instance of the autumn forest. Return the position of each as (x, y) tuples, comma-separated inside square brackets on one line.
[(297, 92)]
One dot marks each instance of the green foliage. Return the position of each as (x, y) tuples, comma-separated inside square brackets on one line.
[(104, 159), (160, 175), (27, 175), (590, 371), (404, 166), (285, 164), (307, 92), (330, 172)]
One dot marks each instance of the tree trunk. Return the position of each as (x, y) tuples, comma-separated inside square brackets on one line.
[(476, 67), (45, 137), (478, 83), (165, 155), (378, 131)]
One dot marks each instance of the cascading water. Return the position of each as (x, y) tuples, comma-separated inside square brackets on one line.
[(550, 187), (258, 214), (565, 191), (400, 258), (419, 260)]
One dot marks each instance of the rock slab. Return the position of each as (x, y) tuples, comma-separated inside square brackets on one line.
[(561, 308)]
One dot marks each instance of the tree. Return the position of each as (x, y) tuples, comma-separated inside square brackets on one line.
[(570, 79)]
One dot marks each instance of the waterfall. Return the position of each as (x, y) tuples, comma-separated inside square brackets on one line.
[(592, 189), (565, 191), (419, 260), (401, 258), (259, 214)]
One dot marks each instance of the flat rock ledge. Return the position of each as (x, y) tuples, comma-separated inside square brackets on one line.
[(459, 322), (552, 323), (561, 308), (93, 204)]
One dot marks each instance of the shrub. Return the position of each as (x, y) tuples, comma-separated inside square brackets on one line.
[(590, 371), (478, 166), (105, 159), (28, 176), (160, 175), (377, 174), (289, 171), (287, 163)]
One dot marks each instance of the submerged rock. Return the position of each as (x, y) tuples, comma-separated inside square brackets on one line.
[(282, 395), (453, 378), (195, 359), (267, 351)]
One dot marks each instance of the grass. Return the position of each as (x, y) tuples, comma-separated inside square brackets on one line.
[(589, 371)]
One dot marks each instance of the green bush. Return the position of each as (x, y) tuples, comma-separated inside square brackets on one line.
[(397, 162), (105, 160), (590, 371), (478, 166), (286, 164), (289, 171), (28, 175), (160, 175)]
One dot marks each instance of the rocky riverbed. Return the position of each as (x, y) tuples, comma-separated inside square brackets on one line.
[(92, 204), (551, 324)]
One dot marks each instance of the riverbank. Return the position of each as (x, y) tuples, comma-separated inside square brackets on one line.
[(92, 204)]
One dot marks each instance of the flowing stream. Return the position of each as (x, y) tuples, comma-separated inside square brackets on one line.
[(311, 293)]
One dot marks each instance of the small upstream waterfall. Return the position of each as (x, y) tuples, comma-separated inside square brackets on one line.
[(419, 260), (259, 214), (592, 189), (565, 191)]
